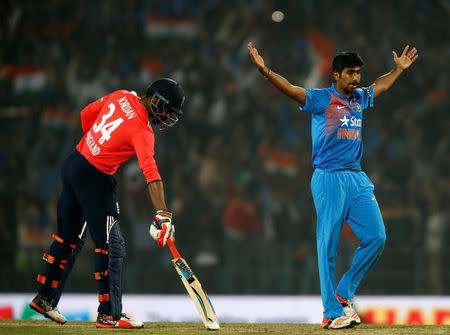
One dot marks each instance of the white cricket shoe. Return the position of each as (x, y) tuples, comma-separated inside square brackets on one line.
[(349, 308), (40, 305), (341, 322), (106, 321)]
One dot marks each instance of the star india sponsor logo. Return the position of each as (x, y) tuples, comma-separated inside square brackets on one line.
[(350, 133), (354, 122)]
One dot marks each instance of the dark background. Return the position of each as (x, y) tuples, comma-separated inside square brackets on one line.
[(237, 167)]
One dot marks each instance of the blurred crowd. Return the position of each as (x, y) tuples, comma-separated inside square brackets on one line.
[(237, 167)]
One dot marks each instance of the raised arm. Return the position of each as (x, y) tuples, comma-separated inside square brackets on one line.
[(383, 83), (294, 92)]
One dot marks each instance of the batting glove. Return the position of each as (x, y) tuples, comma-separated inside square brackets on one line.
[(161, 228)]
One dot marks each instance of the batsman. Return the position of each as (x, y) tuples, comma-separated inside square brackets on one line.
[(341, 190), (116, 127)]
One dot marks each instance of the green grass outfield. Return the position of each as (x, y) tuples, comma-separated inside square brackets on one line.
[(30, 327)]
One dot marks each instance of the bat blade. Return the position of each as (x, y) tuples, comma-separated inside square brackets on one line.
[(197, 294)]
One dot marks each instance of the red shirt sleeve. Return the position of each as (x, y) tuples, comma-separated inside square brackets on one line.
[(144, 143), (90, 112)]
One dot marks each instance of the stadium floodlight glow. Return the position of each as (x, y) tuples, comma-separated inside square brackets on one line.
[(277, 16)]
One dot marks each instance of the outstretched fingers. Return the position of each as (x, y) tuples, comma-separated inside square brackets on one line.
[(407, 57), (412, 53), (405, 50), (252, 50), (254, 55)]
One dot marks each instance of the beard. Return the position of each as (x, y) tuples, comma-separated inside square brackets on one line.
[(349, 89)]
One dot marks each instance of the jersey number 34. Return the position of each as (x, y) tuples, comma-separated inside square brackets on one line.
[(107, 128)]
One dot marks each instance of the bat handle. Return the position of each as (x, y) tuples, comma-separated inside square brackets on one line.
[(173, 249)]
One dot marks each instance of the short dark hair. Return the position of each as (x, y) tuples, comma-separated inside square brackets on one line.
[(346, 59)]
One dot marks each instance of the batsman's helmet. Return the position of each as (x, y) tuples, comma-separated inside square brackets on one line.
[(170, 98)]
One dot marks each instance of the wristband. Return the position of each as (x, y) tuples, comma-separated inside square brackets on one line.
[(164, 213)]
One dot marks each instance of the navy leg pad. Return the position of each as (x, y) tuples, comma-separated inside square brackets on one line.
[(68, 268), (116, 255)]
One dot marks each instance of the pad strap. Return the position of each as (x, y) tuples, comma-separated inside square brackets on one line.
[(60, 240), (48, 258), (103, 297), (63, 263), (101, 251), (51, 260), (43, 280), (100, 275)]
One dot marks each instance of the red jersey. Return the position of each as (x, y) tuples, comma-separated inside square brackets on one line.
[(116, 127)]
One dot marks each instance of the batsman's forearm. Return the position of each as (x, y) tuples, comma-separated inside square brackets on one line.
[(156, 191), (383, 83), (283, 85)]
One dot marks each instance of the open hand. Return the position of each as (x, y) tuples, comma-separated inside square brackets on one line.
[(406, 59), (254, 55)]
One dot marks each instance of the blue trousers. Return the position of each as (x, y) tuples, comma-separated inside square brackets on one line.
[(345, 196)]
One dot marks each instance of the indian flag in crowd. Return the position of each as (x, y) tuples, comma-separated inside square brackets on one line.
[(162, 27), (25, 78)]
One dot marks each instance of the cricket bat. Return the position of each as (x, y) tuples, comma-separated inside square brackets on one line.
[(194, 288)]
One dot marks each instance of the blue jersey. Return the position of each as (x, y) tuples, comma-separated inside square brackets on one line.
[(336, 127)]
